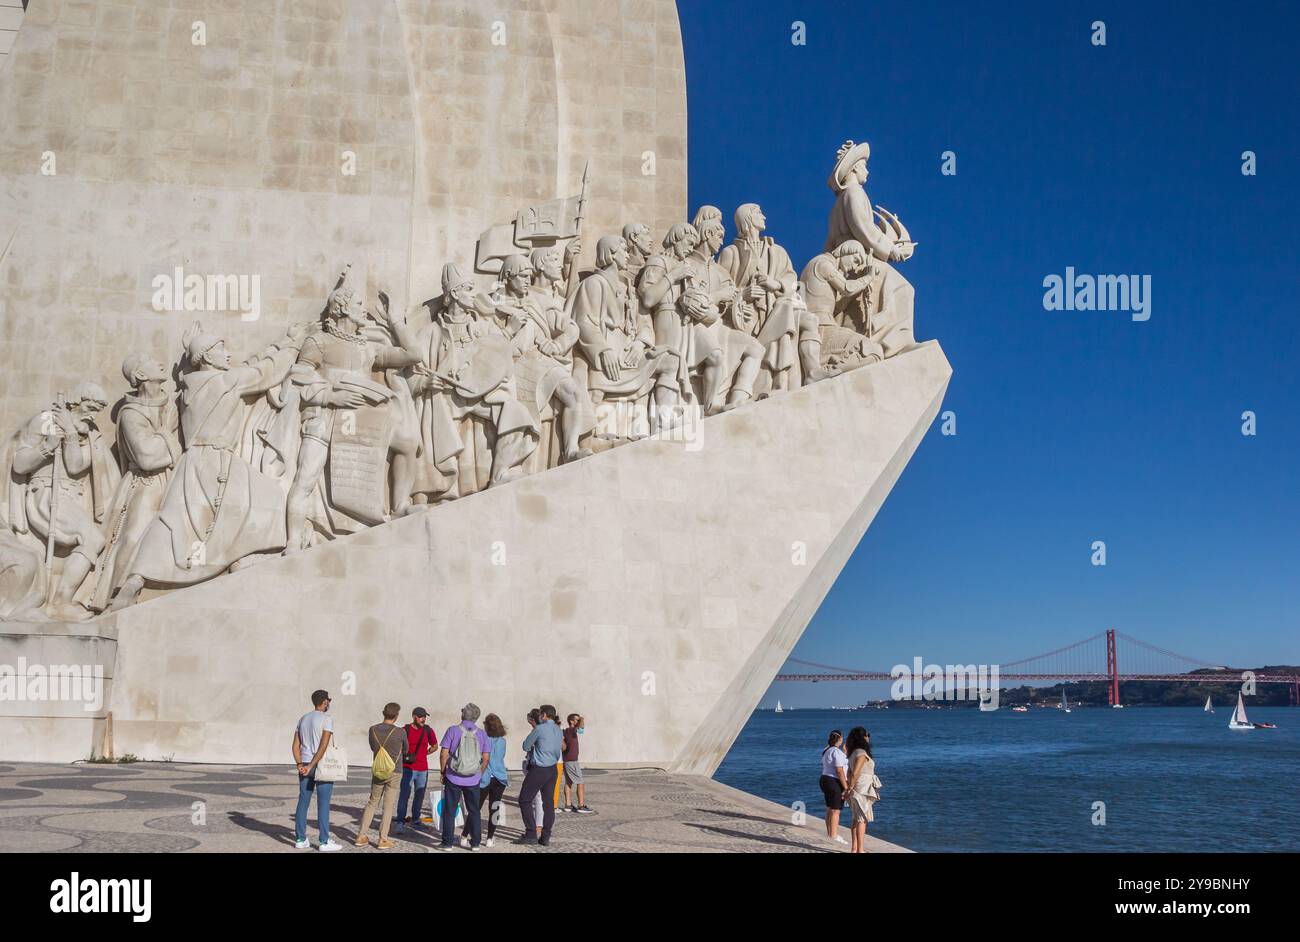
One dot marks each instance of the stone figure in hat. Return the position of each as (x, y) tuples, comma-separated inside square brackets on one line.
[(889, 319), (334, 371)]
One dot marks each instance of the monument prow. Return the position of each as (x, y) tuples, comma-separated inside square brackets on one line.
[(657, 586)]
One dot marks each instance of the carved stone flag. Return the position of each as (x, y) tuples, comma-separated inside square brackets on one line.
[(547, 223)]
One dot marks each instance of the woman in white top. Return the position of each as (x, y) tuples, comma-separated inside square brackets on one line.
[(834, 781), (862, 790)]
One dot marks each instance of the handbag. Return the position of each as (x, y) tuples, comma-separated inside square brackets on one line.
[(333, 766)]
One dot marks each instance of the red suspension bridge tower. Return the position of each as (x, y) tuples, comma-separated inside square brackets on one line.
[(1112, 667)]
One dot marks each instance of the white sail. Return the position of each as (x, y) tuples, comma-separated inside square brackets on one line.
[(1239, 720), (1209, 707), (778, 707)]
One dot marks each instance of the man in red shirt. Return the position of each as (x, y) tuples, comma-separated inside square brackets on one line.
[(420, 743)]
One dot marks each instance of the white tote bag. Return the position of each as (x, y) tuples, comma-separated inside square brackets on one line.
[(333, 766)]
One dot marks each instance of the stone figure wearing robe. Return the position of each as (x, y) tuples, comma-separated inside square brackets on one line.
[(218, 509), (62, 477), (543, 349), (829, 288), (770, 308), (22, 575), (743, 354), (347, 417), (148, 447), (619, 359), (889, 321), (474, 432)]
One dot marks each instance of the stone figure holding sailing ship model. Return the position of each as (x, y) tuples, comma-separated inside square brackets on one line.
[(369, 413)]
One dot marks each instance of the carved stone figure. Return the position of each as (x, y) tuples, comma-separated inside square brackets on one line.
[(619, 358), (347, 422), (61, 479), (22, 575), (218, 508), (543, 343), (474, 432), (853, 218), (640, 247), (829, 290), (348, 419), (148, 447), (686, 320), (769, 306)]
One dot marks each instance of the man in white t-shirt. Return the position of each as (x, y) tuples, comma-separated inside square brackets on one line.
[(310, 740)]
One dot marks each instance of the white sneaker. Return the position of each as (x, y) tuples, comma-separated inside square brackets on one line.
[(464, 842), (491, 841), (303, 844), (840, 840), (475, 849), (332, 846)]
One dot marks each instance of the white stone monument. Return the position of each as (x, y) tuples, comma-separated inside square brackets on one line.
[(522, 451)]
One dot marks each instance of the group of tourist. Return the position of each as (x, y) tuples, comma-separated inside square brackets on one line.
[(849, 772), (359, 417), (472, 770)]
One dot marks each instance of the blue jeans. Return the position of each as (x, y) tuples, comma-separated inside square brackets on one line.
[(420, 782), (451, 795), (306, 785)]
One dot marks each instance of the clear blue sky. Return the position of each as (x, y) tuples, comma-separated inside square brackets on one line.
[(1072, 426)]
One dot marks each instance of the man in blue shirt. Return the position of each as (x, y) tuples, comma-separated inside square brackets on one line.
[(543, 746)]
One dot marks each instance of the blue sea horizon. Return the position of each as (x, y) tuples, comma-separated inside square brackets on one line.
[(1171, 779)]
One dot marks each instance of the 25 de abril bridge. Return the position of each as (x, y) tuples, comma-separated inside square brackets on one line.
[(1109, 656)]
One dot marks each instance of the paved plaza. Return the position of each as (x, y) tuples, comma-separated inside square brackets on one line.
[(150, 807)]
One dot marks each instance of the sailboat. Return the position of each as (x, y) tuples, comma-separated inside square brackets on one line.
[(778, 708), (1239, 720), (1209, 707), (1064, 704)]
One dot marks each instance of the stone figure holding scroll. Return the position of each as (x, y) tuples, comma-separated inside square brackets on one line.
[(474, 432), (148, 447), (218, 508), (852, 217), (348, 419), (62, 477)]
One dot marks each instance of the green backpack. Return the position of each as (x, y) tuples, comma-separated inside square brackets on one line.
[(383, 766)]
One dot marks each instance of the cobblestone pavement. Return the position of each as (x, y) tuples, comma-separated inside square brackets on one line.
[(151, 807)]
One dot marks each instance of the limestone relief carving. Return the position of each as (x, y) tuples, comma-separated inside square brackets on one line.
[(368, 413)]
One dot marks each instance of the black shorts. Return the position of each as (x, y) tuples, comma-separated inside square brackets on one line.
[(834, 792)]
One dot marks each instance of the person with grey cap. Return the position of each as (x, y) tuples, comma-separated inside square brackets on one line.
[(462, 760), (421, 740)]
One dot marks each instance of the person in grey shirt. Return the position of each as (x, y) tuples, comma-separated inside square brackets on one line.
[(544, 746)]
